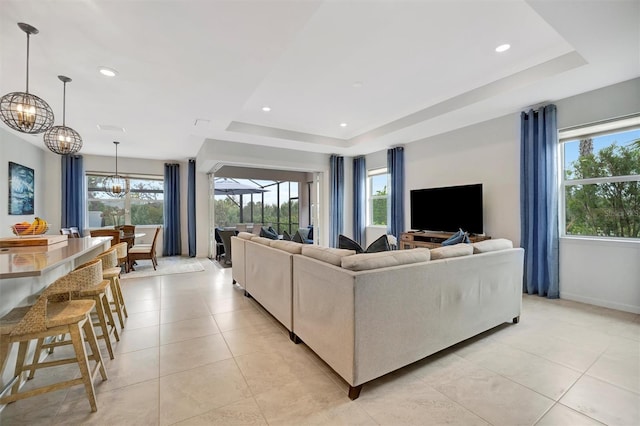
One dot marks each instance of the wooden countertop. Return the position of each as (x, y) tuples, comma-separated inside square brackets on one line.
[(33, 261)]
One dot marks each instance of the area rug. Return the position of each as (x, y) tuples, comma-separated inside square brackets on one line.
[(166, 266)]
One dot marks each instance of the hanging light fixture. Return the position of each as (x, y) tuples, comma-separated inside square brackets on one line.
[(63, 140), (23, 111), (115, 185)]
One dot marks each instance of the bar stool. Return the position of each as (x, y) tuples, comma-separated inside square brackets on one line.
[(98, 293), (53, 314), (123, 256), (111, 271)]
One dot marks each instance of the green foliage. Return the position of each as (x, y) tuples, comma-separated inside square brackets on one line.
[(227, 213), (605, 209), (379, 207)]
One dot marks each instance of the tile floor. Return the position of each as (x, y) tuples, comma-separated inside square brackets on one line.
[(195, 351)]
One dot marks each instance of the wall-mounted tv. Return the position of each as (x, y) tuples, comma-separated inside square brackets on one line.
[(448, 209)]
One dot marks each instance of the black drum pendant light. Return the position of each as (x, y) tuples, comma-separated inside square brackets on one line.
[(63, 140), (23, 111), (115, 185)]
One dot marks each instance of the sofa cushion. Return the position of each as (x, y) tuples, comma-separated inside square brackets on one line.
[(326, 254), (288, 246), (492, 245), (262, 240), (366, 261), (456, 250), (245, 235)]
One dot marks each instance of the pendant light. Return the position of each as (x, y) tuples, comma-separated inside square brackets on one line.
[(23, 111), (116, 185), (63, 140)]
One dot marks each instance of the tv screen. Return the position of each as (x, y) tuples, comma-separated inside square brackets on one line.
[(448, 209)]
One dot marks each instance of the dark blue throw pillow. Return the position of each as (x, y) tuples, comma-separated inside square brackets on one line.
[(268, 233), (349, 244), (381, 244), (457, 238)]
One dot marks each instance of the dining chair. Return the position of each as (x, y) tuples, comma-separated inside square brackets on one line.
[(219, 243), (226, 241), (66, 231), (107, 233), (145, 252), (75, 232)]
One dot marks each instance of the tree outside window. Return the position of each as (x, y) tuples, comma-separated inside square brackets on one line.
[(143, 205), (377, 197), (602, 184)]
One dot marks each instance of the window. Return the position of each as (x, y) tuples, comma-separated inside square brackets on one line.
[(377, 196), (143, 205), (601, 180)]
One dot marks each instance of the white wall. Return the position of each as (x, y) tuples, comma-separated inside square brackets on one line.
[(486, 153), (46, 167), (592, 271), (604, 273)]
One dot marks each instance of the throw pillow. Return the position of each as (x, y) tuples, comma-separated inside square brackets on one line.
[(492, 245), (457, 250), (457, 238), (381, 244), (297, 237), (266, 233), (349, 244)]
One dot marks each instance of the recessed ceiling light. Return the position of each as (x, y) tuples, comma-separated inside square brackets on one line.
[(503, 48), (266, 108), (108, 72), (343, 124)]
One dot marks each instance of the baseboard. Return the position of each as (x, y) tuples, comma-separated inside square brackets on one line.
[(599, 302)]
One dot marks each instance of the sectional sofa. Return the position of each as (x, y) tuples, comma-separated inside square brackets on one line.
[(367, 315)]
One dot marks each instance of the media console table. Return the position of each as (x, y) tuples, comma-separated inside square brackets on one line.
[(414, 239)]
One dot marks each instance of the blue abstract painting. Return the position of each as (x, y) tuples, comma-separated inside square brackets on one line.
[(20, 189)]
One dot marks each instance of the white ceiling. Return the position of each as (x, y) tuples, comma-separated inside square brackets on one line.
[(424, 67)]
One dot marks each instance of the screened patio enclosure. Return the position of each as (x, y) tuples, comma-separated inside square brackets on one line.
[(265, 202)]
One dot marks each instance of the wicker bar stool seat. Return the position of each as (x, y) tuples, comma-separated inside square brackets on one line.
[(7, 324), (54, 314), (111, 271), (96, 290)]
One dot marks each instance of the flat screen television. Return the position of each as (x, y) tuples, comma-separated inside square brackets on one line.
[(448, 209)]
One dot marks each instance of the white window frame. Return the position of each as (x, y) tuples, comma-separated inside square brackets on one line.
[(370, 197), (615, 125)]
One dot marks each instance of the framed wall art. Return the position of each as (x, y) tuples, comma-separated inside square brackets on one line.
[(21, 185)]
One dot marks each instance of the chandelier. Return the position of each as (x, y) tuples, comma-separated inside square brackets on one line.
[(23, 111), (115, 185), (63, 140)]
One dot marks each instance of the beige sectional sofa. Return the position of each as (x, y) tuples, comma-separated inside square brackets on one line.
[(366, 315)]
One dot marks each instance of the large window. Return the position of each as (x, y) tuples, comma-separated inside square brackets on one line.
[(377, 195), (601, 180), (143, 205), (277, 206)]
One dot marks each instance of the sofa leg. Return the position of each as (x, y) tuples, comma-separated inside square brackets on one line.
[(294, 338), (246, 294), (516, 319), (354, 392), (234, 282)]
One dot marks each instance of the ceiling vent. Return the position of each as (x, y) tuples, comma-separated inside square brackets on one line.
[(111, 128)]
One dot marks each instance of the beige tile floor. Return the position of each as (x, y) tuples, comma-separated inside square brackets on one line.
[(195, 351)]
